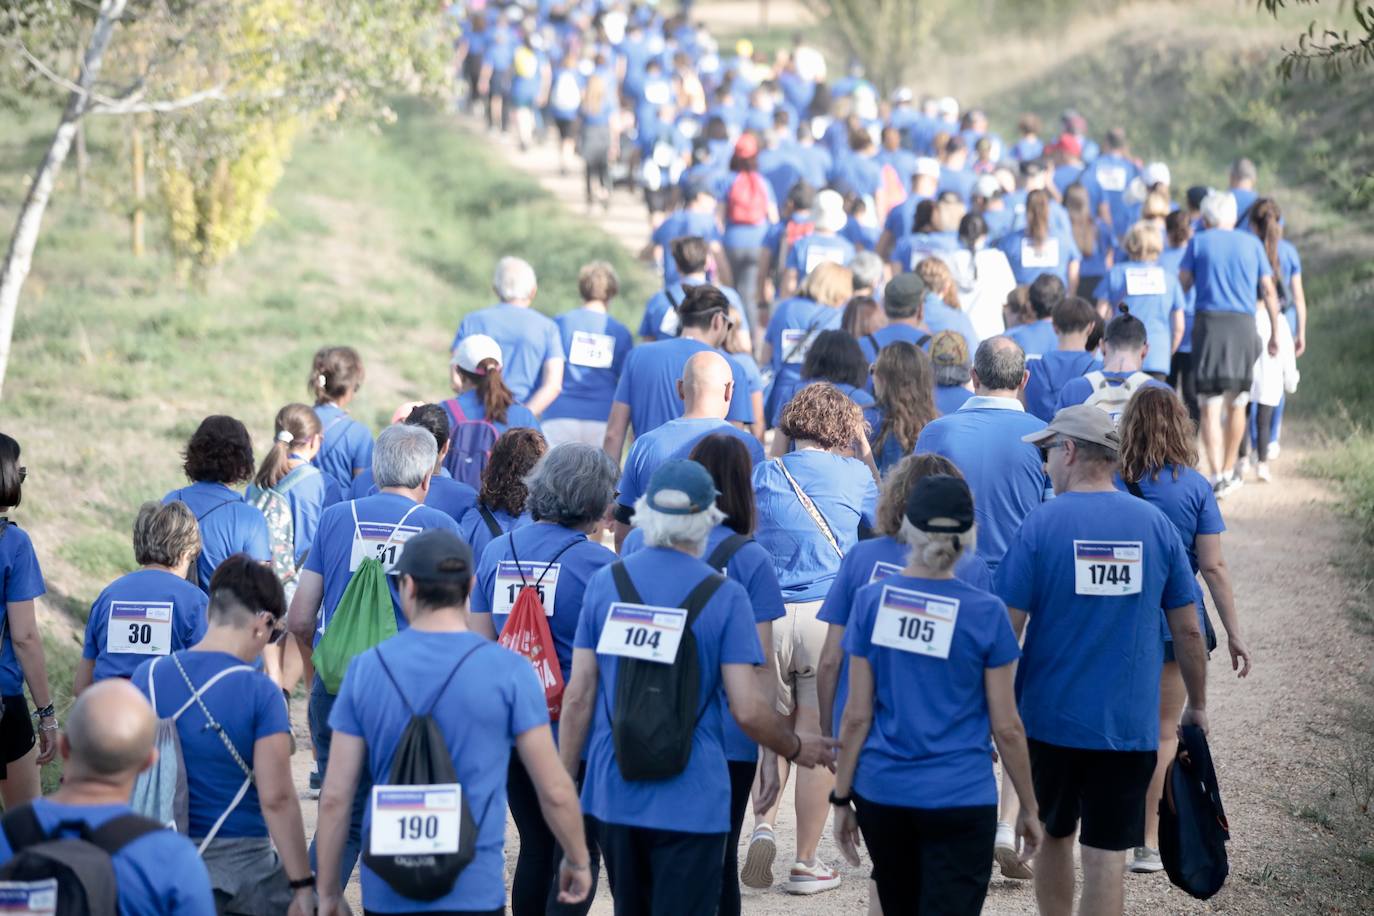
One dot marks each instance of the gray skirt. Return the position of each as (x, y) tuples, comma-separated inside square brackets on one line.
[(247, 876), (1225, 347)]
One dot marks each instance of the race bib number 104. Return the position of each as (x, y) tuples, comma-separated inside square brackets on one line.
[(642, 631)]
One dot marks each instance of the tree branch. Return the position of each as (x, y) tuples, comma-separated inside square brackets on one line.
[(133, 106)]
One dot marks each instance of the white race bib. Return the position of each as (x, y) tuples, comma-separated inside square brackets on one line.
[(1047, 255), (1144, 281), (28, 898), (915, 622), (795, 343), (816, 255), (415, 820), (1107, 567), (595, 351), (1111, 177), (508, 584), (881, 570), (138, 628), (382, 541), (642, 631)]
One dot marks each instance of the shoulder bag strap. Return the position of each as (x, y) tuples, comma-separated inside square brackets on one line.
[(493, 526), (118, 832), (624, 585), (725, 550), (873, 342), (810, 506), (925, 339), (22, 828), (213, 509), (801, 344), (1134, 487)]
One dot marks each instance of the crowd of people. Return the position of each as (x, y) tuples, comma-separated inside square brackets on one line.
[(894, 495)]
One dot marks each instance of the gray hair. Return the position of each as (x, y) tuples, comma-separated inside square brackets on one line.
[(951, 376), (164, 534), (572, 484), (404, 456), (1095, 451), (1219, 209), (868, 270), (936, 550), (999, 367), (685, 532), (1243, 170), (513, 280)]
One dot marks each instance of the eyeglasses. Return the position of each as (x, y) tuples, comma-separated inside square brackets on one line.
[(278, 626), (1046, 449)]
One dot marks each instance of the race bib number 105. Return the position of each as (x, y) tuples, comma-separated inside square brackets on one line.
[(642, 631), (915, 622), (415, 820), (1107, 567)]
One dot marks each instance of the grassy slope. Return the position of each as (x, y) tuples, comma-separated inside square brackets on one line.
[(383, 240)]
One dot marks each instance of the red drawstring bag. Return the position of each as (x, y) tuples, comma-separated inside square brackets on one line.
[(527, 633)]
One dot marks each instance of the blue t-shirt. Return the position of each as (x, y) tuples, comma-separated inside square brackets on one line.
[(539, 542), (597, 346), (1036, 338), (844, 493), (660, 312), (451, 497), (697, 800), (941, 316), (228, 525), (518, 416), (649, 383), (23, 581), (1107, 179), (1078, 390), (158, 874), (810, 251), (792, 327), (1048, 376), (891, 334), (928, 745), (247, 706), (128, 604), (914, 247), (901, 217), (1227, 266), (378, 516), (1152, 294), (493, 700), (871, 561), (528, 339), (752, 567), (1052, 256), (674, 439), (949, 398), (678, 224), (346, 450), (1170, 259), (1006, 475), (1090, 675), (474, 529), (306, 498)]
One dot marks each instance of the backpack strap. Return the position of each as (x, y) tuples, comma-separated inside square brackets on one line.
[(442, 687), (873, 342), (297, 475), (810, 506), (725, 550), (118, 832), (1134, 487), (493, 526), (1137, 380), (698, 597), (1096, 379), (456, 414), (668, 294), (925, 339), (624, 585), (22, 828), (547, 564)]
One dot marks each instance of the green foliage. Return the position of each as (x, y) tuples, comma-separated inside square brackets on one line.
[(884, 35), (1331, 52)]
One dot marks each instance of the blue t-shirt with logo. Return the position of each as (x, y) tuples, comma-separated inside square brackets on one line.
[(228, 525), (1048, 376), (1089, 677), (649, 383), (474, 528), (1006, 475), (528, 339), (928, 746), (674, 439), (597, 346), (1152, 294), (660, 312), (1036, 338), (23, 581), (133, 601), (451, 497), (1029, 260), (1106, 180), (914, 247), (247, 705), (346, 450), (810, 251), (697, 800), (1227, 266), (493, 700), (678, 224)]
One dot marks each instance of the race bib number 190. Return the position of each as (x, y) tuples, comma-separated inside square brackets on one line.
[(642, 631), (138, 628), (415, 820), (382, 542), (1107, 567), (915, 622)]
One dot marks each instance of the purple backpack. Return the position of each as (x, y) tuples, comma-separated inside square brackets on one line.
[(469, 445)]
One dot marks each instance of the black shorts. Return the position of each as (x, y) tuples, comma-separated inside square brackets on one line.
[(1225, 347), (567, 128), (16, 731), (1105, 790)]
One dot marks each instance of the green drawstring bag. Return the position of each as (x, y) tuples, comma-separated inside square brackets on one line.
[(363, 619)]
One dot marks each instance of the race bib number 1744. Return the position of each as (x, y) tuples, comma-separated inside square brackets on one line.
[(1108, 567)]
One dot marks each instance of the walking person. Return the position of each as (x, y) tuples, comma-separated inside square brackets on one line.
[(596, 346), (597, 141), (336, 374), (501, 500)]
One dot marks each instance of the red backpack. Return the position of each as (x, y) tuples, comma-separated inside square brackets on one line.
[(747, 202)]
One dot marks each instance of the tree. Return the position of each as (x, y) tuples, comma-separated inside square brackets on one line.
[(885, 36), (1334, 53), (210, 73)]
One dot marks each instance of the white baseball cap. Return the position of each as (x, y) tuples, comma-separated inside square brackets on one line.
[(474, 350), (830, 215), (927, 166), (1156, 173), (948, 106)]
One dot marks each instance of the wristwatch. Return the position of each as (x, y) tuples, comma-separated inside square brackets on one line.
[(845, 802), (301, 883)]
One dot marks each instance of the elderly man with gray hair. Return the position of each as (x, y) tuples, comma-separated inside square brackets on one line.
[(376, 527), (531, 344), (983, 439)]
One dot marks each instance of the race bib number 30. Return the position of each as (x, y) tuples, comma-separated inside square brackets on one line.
[(1107, 567), (382, 542), (509, 582), (595, 351), (138, 628), (1047, 255), (642, 631), (415, 820), (29, 898), (915, 622), (795, 343), (1144, 281)]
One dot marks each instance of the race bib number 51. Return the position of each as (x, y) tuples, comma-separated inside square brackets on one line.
[(642, 631), (915, 622), (415, 820), (382, 542), (139, 628), (1107, 567)]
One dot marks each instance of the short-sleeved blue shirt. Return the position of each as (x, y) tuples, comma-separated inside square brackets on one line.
[(678, 224), (649, 383), (940, 316), (1048, 376), (528, 339), (1154, 309), (928, 746), (697, 800), (1090, 673), (660, 312), (1036, 338), (451, 497), (518, 416), (890, 334), (493, 700), (474, 529), (228, 525), (347, 447), (1056, 252), (23, 581), (674, 439), (1227, 266), (810, 251), (588, 380), (130, 595), (949, 398)]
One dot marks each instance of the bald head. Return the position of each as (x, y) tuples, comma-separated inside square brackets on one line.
[(110, 731), (706, 385), (999, 367)]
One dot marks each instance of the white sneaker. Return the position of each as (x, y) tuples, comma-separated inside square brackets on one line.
[(757, 870), (811, 879), (1242, 466), (1146, 861), (1262, 472), (1273, 450)]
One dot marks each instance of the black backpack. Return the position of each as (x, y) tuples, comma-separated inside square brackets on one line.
[(1192, 825), (73, 862), (422, 759), (656, 705), (725, 551)]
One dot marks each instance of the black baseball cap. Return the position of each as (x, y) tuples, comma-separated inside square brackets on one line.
[(436, 555), (941, 504)]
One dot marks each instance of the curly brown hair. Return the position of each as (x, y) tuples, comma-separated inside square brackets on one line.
[(1156, 431), (898, 483), (512, 458), (822, 414), (219, 451)]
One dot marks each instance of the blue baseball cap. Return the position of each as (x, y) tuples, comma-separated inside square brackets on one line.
[(681, 487)]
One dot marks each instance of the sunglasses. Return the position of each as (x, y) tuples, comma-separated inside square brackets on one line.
[(1046, 449)]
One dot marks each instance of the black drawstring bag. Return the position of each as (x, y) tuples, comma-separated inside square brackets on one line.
[(1192, 824)]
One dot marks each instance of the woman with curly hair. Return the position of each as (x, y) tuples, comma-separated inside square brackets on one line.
[(813, 504), (904, 388), (218, 457), (1158, 455), (501, 501)]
